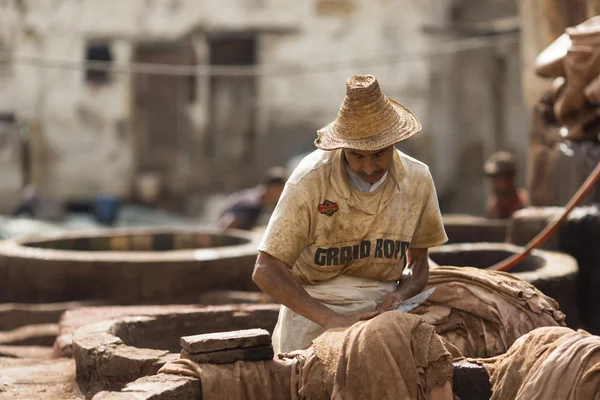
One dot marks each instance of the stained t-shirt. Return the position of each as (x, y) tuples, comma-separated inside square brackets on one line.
[(323, 227)]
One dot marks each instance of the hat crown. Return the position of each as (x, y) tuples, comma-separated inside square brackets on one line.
[(367, 120), (365, 111), (358, 82)]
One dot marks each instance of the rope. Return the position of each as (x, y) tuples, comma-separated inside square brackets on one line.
[(550, 229), (399, 56)]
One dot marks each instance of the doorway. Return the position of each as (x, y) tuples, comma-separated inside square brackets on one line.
[(161, 122), (232, 107)]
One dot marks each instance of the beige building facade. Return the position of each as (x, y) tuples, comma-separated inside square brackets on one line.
[(261, 76)]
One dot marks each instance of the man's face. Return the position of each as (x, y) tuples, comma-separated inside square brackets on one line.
[(370, 166), (502, 184)]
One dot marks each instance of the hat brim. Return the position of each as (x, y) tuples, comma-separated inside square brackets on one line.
[(407, 126), (548, 64)]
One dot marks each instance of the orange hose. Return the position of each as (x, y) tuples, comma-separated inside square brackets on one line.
[(550, 229)]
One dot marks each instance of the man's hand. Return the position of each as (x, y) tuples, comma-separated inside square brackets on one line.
[(413, 281), (391, 300)]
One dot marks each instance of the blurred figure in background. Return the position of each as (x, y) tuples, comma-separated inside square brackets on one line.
[(29, 203), (506, 198), (244, 208), (34, 205)]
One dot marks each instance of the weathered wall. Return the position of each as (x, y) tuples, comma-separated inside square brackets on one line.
[(10, 165), (86, 144), (475, 104), (296, 105)]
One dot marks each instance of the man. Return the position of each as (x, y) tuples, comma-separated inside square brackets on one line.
[(245, 207), (352, 216), (506, 198)]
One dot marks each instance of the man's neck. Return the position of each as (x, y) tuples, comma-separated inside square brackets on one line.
[(361, 185)]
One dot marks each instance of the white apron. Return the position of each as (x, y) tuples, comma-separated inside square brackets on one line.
[(345, 295)]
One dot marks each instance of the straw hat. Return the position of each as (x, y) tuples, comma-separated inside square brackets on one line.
[(367, 119)]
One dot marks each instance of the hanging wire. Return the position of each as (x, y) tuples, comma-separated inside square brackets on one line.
[(399, 56)]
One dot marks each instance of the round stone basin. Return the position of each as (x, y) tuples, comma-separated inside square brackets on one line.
[(162, 332), (127, 266), (110, 354), (555, 274), (145, 241), (470, 229), (484, 256)]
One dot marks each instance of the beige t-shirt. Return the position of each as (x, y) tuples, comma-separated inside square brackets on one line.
[(323, 227)]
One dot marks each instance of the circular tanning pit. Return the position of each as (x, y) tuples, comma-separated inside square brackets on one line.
[(470, 229), (555, 274), (110, 354), (127, 266), (139, 242)]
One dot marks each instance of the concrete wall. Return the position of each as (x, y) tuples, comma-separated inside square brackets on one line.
[(10, 164), (85, 144)]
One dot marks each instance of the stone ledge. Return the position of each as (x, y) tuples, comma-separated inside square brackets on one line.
[(76, 318), (110, 354), (30, 352), (15, 315), (30, 335), (157, 387)]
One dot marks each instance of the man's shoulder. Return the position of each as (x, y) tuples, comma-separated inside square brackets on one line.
[(412, 166), (312, 169)]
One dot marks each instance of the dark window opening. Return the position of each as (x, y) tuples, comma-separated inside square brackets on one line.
[(98, 53), (233, 51)]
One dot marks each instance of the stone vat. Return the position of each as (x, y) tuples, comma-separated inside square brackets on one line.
[(126, 266)]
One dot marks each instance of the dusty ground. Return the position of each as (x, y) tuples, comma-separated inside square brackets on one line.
[(25, 379)]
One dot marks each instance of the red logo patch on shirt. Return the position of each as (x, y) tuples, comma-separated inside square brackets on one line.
[(328, 208)]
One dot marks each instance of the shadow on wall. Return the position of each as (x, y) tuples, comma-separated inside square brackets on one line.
[(289, 140), (467, 194)]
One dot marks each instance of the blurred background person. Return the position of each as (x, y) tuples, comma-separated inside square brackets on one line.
[(29, 203), (505, 197), (244, 209)]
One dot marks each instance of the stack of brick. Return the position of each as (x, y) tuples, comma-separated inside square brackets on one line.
[(228, 347)]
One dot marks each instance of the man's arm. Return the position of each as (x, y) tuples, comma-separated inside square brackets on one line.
[(413, 281), (275, 279)]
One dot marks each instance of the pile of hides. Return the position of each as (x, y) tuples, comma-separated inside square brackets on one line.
[(547, 363), (483, 312), (410, 360), (473, 312)]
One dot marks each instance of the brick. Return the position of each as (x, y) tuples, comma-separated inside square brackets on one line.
[(230, 356), (225, 340)]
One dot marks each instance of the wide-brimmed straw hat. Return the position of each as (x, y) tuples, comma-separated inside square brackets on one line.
[(367, 120)]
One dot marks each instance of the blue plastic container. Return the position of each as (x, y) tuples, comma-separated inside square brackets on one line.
[(106, 209)]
